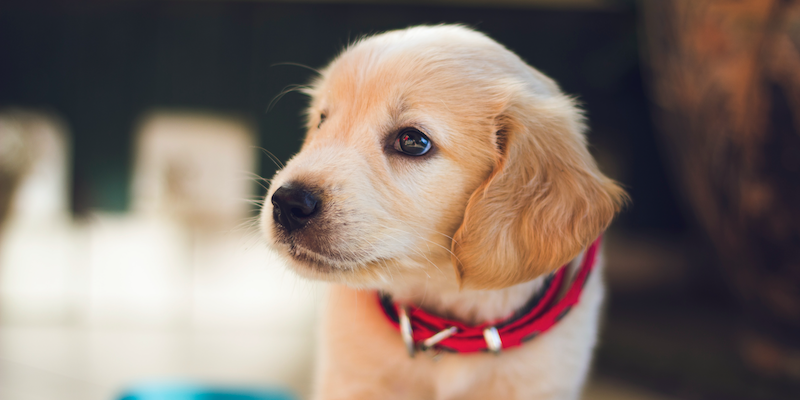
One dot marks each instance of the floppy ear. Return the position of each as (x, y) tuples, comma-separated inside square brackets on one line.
[(542, 205)]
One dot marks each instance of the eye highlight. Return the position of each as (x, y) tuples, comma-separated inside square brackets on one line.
[(412, 142)]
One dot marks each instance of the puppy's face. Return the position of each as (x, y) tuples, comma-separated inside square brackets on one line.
[(394, 149), (405, 129)]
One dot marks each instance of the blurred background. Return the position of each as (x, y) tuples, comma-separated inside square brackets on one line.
[(133, 135)]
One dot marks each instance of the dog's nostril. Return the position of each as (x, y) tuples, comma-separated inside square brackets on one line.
[(304, 212), (293, 207)]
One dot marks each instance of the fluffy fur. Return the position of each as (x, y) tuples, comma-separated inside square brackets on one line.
[(507, 194)]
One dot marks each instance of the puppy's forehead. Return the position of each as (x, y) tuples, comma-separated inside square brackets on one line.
[(363, 80), (450, 82), (402, 65), (378, 87)]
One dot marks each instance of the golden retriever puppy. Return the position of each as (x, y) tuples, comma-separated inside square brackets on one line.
[(442, 172)]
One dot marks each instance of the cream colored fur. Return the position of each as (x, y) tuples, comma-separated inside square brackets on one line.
[(507, 194)]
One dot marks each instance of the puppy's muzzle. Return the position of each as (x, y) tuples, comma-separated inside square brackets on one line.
[(294, 206)]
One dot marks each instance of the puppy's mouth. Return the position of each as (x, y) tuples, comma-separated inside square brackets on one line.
[(312, 259), (315, 260)]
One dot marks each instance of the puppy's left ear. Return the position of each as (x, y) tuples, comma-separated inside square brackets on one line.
[(545, 201)]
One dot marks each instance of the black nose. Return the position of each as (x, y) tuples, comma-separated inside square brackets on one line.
[(293, 207)]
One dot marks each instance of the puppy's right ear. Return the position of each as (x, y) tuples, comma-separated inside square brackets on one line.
[(542, 205)]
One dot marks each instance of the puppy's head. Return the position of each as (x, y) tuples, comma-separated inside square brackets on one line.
[(436, 146)]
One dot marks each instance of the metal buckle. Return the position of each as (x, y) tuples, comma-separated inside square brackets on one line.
[(405, 330), (442, 335), (493, 341), (408, 335)]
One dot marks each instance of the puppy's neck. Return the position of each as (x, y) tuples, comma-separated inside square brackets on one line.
[(439, 294)]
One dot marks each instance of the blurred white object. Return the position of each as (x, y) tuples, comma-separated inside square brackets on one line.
[(38, 269), (15, 161), (194, 167), (192, 175), (34, 146)]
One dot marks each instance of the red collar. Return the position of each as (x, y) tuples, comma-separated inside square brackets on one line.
[(420, 329)]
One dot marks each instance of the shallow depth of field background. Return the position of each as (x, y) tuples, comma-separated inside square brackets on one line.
[(133, 135)]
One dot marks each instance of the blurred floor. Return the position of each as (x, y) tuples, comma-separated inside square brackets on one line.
[(86, 364), (81, 364), (149, 300)]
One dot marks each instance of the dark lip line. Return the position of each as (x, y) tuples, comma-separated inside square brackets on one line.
[(303, 254), (314, 259), (320, 261)]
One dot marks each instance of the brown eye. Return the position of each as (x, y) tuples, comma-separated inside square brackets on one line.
[(321, 120), (412, 142)]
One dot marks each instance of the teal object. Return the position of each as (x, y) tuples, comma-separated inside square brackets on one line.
[(178, 391)]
